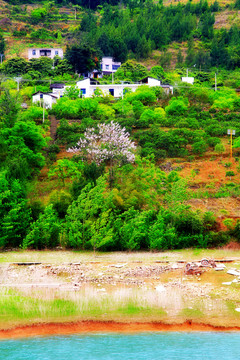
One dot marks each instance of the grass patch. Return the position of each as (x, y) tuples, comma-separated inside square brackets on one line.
[(60, 257), (192, 313), (16, 307)]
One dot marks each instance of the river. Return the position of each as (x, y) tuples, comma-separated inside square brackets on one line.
[(146, 346)]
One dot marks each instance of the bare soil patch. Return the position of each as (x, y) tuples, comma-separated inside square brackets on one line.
[(84, 327)]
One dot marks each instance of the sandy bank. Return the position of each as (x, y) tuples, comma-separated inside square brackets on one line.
[(90, 327)]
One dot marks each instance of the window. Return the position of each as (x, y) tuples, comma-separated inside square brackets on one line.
[(34, 52), (83, 91), (115, 67), (107, 67), (56, 52), (111, 92)]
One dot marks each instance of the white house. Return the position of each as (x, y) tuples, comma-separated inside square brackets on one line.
[(44, 99), (35, 53), (117, 90), (108, 66), (57, 89), (188, 79)]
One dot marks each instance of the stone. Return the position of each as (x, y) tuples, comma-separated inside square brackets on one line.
[(160, 288), (233, 272), (227, 283)]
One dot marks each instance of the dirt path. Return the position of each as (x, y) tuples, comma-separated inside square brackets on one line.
[(53, 127)]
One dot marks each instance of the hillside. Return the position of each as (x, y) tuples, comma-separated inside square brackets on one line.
[(163, 41)]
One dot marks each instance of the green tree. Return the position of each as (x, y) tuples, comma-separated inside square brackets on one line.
[(45, 232), (66, 168), (177, 106), (14, 213), (16, 66), (81, 57), (9, 108)]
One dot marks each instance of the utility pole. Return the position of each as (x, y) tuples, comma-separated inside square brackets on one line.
[(2, 55), (43, 112), (231, 133)]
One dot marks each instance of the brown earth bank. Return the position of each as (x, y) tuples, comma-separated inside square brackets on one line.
[(89, 327)]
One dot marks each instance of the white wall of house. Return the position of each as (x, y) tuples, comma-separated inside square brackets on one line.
[(47, 99), (153, 82), (108, 65), (188, 79), (58, 92), (117, 90), (34, 53)]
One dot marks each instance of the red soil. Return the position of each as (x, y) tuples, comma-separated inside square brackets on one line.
[(86, 327)]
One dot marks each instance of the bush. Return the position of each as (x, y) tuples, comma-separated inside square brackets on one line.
[(199, 147), (34, 113), (60, 201), (177, 106), (144, 94), (230, 173), (219, 148)]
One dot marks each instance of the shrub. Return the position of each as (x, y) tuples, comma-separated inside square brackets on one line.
[(177, 106), (199, 147), (144, 94), (34, 113), (213, 141), (229, 173), (60, 201)]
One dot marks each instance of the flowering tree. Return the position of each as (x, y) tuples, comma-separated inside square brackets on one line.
[(107, 142)]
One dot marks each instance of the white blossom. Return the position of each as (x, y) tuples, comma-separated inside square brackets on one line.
[(107, 142)]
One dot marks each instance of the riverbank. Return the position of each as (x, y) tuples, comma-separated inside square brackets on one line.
[(46, 293), (89, 327)]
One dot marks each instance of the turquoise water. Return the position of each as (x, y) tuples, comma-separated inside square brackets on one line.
[(167, 346)]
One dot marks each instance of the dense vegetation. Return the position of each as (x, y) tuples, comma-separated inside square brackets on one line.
[(128, 30), (112, 197)]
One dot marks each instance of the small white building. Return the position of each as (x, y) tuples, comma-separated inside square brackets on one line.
[(108, 66), (57, 89), (87, 89), (35, 53), (188, 79), (44, 99)]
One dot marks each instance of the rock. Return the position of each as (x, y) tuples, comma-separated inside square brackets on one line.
[(121, 265), (160, 288), (227, 283), (101, 290), (175, 266), (219, 268), (221, 265), (233, 272), (237, 309)]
